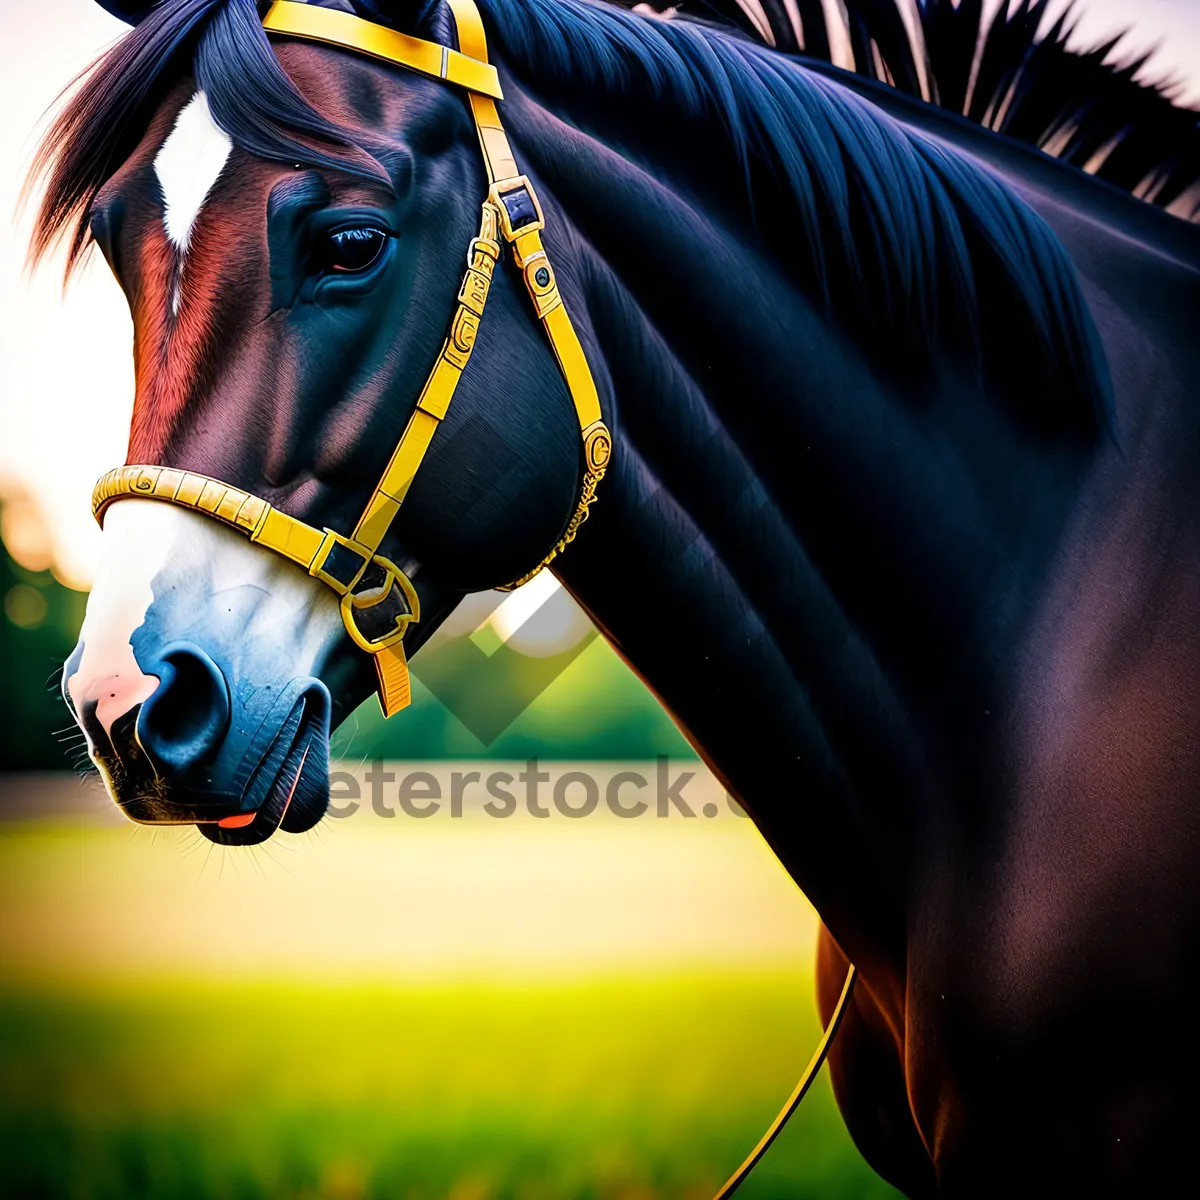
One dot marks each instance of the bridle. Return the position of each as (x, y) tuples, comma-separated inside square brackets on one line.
[(377, 599), (364, 579)]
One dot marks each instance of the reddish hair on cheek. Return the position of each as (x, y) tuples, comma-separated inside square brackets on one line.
[(152, 419), (174, 351)]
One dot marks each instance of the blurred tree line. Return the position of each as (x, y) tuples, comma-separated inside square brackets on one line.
[(41, 621)]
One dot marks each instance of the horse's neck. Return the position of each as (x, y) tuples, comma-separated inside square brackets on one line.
[(794, 558)]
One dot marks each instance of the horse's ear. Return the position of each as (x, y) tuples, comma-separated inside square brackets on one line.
[(129, 11)]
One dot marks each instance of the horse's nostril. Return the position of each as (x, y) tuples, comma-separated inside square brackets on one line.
[(186, 719)]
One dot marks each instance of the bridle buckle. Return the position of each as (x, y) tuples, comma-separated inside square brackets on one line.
[(355, 605), (340, 562), (346, 566), (519, 208), (386, 644)]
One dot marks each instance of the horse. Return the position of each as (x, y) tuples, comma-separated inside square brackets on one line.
[(900, 522)]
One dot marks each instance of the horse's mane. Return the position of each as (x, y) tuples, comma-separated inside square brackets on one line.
[(1018, 72), (905, 238), (900, 233)]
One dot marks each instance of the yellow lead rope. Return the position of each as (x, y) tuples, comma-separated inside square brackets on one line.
[(806, 1080)]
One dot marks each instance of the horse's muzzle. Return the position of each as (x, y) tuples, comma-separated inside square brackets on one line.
[(192, 753)]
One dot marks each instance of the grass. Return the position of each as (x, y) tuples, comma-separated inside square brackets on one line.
[(422, 1010), (629, 1089)]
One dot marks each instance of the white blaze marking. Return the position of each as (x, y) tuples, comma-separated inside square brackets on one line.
[(135, 545), (289, 629), (187, 166)]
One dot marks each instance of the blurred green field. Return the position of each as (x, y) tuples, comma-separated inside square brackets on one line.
[(613, 1088), (445, 1009)]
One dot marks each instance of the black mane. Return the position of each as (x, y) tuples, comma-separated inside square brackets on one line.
[(908, 243), (1089, 108)]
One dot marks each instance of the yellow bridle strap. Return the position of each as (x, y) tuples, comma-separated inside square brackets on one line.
[(530, 255), (377, 41), (522, 231), (434, 401), (811, 1072), (265, 525)]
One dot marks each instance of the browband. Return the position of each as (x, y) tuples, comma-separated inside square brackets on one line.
[(469, 70), (353, 566)]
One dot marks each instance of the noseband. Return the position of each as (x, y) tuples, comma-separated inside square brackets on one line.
[(377, 599)]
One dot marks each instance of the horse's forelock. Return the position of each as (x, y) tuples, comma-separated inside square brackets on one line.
[(250, 96)]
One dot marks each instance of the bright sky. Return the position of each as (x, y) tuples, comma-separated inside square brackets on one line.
[(65, 365), (66, 374)]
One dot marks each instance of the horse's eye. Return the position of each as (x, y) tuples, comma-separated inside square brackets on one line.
[(352, 250)]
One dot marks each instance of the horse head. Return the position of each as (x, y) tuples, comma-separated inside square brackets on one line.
[(288, 222)]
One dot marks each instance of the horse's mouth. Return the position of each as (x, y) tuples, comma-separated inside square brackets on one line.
[(288, 789), (281, 810)]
